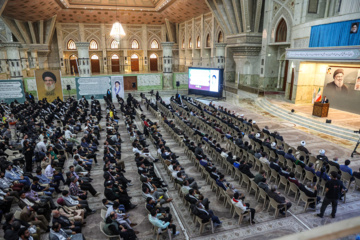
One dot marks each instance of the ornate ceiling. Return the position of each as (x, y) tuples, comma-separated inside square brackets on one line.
[(106, 11)]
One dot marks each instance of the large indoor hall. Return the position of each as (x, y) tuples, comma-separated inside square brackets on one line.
[(179, 119)]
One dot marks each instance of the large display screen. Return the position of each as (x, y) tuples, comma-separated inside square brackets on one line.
[(342, 88), (206, 81)]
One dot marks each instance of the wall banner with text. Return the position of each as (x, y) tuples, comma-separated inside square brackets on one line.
[(92, 86), (11, 90)]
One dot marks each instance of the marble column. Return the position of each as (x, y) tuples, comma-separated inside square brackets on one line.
[(167, 65), (13, 59), (220, 55), (34, 59), (279, 74), (83, 59)]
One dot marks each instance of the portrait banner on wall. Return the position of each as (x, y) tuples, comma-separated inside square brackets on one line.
[(117, 86), (11, 90), (48, 84), (92, 86), (357, 83), (342, 85)]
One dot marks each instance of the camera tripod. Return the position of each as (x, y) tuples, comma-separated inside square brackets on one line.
[(355, 152)]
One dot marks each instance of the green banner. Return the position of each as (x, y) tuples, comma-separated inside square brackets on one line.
[(92, 86), (11, 90)]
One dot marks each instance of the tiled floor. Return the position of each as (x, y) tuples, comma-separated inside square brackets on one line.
[(267, 227)]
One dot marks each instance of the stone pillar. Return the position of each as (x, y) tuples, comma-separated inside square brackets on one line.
[(83, 59), (220, 55), (24, 59), (13, 59), (167, 65), (34, 63), (279, 74)]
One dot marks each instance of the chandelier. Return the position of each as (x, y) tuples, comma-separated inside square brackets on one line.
[(117, 31)]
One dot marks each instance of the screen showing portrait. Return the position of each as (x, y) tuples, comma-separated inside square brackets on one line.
[(205, 81), (342, 88)]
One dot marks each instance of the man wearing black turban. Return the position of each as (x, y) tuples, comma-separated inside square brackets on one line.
[(49, 82)]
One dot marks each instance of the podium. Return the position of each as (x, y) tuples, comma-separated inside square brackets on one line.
[(321, 109)]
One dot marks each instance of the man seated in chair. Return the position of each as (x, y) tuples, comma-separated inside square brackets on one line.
[(194, 197), (311, 191), (112, 227), (274, 194), (57, 233), (244, 207), (199, 210), (162, 225)]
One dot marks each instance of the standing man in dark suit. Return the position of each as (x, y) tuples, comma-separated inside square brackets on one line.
[(332, 189), (325, 100)]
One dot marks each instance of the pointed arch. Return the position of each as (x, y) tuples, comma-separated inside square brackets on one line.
[(281, 31), (95, 57), (135, 44), (208, 40), (154, 44), (115, 56), (93, 45), (153, 56), (71, 45), (134, 56), (220, 37), (198, 42), (114, 44)]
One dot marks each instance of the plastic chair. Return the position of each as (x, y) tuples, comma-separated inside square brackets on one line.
[(202, 225), (239, 212), (283, 181), (307, 200), (308, 176), (274, 174), (277, 206), (103, 213), (263, 195), (102, 224), (345, 177), (293, 188), (253, 186)]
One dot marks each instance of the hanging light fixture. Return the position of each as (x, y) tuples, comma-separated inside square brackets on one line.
[(117, 31)]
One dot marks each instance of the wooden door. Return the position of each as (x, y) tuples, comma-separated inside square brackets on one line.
[(292, 83), (73, 66), (95, 66), (115, 65), (153, 64), (130, 83), (134, 64), (285, 74)]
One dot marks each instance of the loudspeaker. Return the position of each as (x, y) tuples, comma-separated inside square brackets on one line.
[(328, 120), (178, 83), (134, 85), (292, 110), (68, 87)]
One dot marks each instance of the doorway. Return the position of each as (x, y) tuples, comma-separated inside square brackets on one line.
[(134, 63), (130, 83), (153, 62), (291, 83), (115, 63), (73, 65), (95, 64)]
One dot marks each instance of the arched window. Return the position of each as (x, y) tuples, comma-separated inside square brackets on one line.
[(153, 56), (71, 45), (208, 40), (135, 44), (190, 43), (198, 43), (93, 45), (183, 44), (95, 57), (73, 57), (154, 44), (115, 56), (134, 56), (220, 37), (281, 31), (114, 45)]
